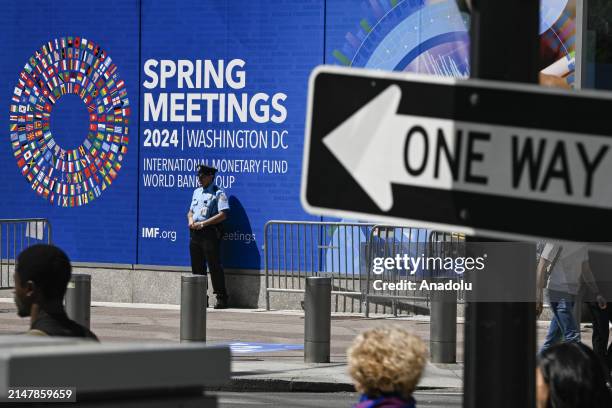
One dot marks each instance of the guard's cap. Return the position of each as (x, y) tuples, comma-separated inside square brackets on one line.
[(206, 171)]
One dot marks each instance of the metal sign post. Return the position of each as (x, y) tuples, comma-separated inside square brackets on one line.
[(500, 337)]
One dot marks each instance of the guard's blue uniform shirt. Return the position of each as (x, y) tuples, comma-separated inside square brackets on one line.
[(207, 202)]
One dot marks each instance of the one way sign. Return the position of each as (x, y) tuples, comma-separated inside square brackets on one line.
[(504, 160)]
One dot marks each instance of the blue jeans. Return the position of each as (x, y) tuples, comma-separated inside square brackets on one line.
[(563, 326)]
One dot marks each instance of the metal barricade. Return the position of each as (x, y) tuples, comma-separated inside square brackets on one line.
[(392, 288), (15, 236), (395, 289), (446, 244), (295, 250)]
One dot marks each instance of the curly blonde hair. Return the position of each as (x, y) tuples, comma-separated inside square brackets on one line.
[(387, 360)]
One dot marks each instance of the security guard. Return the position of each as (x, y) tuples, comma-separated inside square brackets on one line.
[(209, 208)]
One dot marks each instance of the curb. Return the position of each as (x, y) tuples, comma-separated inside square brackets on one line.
[(238, 384)]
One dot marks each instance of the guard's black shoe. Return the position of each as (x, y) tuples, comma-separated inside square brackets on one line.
[(221, 302)]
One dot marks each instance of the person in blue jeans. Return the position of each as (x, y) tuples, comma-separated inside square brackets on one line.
[(567, 266)]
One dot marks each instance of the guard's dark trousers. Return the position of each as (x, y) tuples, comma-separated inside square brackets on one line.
[(205, 248)]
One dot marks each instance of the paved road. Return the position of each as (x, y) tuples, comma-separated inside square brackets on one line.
[(430, 399), (113, 324), (128, 324)]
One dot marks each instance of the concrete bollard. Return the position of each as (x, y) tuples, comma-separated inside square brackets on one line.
[(443, 327), (78, 299), (317, 320), (193, 308)]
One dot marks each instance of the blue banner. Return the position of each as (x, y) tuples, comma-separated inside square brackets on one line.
[(223, 84), (109, 107)]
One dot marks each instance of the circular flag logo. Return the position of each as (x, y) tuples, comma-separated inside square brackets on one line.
[(75, 176)]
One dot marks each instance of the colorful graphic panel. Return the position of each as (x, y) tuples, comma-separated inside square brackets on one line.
[(69, 78)]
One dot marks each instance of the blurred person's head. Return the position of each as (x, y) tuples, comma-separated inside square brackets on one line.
[(41, 278), (386, 360), (570, 375)]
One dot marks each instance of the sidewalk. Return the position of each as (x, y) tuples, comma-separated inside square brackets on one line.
[(275, 365)]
